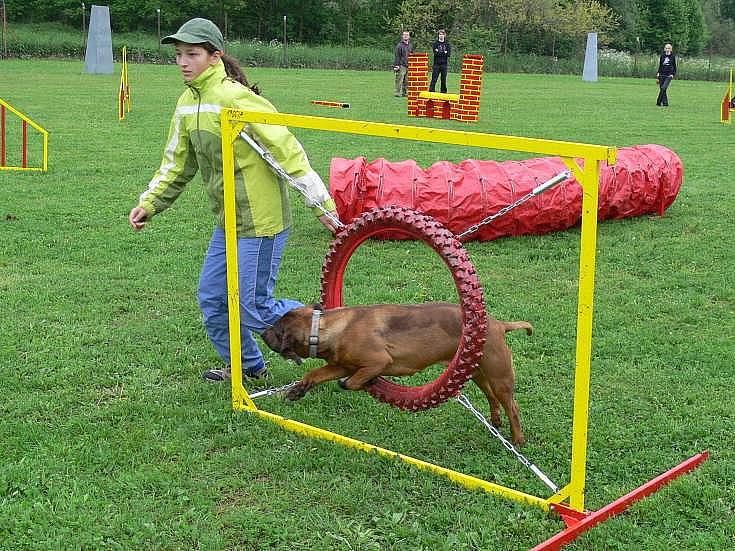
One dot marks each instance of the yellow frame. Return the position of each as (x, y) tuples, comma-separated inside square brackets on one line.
[(38, 128), (234, 121)]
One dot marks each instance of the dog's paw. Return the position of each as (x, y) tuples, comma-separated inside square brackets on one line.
[(342, 383), (296, 393)]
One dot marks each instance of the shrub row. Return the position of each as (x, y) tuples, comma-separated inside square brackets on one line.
[(28, 41)]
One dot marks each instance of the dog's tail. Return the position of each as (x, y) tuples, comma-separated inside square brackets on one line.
[(513, 325)]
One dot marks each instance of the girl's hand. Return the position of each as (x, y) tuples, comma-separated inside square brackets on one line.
[(327, 222), (137, 218)]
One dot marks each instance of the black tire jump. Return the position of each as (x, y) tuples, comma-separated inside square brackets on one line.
[(474, 317)]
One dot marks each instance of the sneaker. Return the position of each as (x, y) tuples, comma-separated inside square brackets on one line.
[(260, 372), (219, 375)]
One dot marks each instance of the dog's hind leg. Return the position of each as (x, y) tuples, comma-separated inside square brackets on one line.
[(482, 382), (314, 377), (497, 368), (503, 390)]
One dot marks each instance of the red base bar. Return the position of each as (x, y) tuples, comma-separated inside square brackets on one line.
[(581, 522)]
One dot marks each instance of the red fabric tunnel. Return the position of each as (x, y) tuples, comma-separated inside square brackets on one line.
[(645, 180)]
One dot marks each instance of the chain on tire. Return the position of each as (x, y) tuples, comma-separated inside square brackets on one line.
[(474, 318)]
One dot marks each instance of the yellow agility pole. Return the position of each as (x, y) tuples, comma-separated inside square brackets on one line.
[(124, 99), (339, 104), (587, 173), (25, 122)]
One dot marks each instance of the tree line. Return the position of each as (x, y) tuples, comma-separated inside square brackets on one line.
[(542, 27)]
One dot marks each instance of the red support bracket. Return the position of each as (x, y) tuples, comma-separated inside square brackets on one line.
[(2, 135), (577, 522), (25, 143)]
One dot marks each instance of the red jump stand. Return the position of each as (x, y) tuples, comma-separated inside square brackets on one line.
[(464, 106)]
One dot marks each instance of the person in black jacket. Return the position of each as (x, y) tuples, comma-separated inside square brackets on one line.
[(442, 51), (665, 74)]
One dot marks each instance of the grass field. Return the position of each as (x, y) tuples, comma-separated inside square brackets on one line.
[(110, 439)]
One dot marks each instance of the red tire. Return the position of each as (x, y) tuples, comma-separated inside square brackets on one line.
[(474, 318)]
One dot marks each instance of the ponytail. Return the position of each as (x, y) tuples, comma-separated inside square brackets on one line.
[(235, 72), (232, 68)]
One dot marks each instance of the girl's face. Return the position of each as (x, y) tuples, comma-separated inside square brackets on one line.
[(442, 36), (193, 60), (668, 48)]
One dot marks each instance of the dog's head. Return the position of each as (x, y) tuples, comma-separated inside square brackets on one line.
[(289, 336)]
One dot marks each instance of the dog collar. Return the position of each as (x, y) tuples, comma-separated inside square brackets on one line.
[(314, 336)]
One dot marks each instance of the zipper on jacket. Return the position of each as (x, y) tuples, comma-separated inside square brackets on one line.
[(199, 106)]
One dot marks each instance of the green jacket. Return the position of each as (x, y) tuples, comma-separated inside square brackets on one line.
[(194, 143)]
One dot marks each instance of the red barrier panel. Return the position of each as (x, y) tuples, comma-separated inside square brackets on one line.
[(2, 135), (645, 180)]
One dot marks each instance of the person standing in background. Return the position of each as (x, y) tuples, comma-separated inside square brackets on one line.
[(442, 51), (400, 63), (665, 74)]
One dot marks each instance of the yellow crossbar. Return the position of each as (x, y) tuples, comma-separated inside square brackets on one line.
[(439, 96), (465, 480), (426, 134)]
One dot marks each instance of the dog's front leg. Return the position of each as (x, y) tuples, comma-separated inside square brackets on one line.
[(362, 377), (314, 377)]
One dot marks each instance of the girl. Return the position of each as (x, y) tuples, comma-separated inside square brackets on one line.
[(214, 81)]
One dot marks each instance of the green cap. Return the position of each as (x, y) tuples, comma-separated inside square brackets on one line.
[(197, 31)]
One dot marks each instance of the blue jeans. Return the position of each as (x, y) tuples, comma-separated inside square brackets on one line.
[(258, 259)]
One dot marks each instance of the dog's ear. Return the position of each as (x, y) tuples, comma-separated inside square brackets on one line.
[(277, 338), (273, 337)]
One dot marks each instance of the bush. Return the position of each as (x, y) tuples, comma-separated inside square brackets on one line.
[(55, 40)]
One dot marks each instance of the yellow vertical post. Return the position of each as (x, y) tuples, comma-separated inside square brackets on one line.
[(240, 398), (580, 420)]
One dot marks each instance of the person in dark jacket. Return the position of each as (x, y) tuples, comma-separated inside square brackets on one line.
[(442, 51), (665, 74), (400, 63)]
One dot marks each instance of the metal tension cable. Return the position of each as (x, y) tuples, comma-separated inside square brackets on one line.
[(538, 190), (286, 177), (462, 399)]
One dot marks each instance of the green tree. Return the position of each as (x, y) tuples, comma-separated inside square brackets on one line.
[(727, 9), (579, 17), (422, 18), (680, 22)]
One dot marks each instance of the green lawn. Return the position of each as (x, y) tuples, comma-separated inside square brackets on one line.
[(110, 439)]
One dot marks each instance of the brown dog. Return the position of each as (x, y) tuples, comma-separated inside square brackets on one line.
[(365, 342)]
